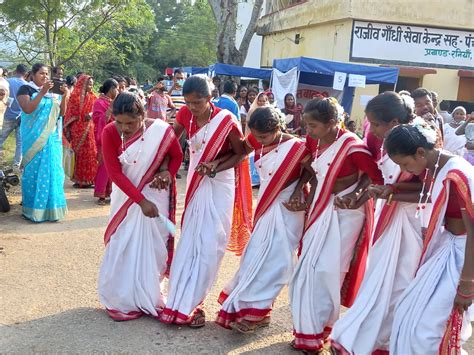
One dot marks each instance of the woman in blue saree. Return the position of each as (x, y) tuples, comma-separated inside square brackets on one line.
[(40, 128)]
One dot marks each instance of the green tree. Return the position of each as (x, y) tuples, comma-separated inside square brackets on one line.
[(56, 30), (120, 46), (186, 34)]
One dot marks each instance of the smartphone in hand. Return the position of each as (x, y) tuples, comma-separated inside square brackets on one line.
[(57, 83)]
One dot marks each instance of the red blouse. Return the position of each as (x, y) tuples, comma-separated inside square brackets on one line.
[(112, 149), (455, 203), (183, 117), (355, 162), (373, 144), (295, 174)]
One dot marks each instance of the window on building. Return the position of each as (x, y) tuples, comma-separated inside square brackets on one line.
[(403, 83)]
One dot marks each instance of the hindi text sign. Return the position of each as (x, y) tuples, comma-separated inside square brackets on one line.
[(412, 45)]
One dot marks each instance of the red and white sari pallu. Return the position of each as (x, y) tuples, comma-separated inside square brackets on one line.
[(425, 322), (136, 254), (392, 263), (206, 225), (333, 251), (269, 258)]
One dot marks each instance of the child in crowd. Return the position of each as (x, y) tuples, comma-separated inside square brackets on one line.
[(159, 102)]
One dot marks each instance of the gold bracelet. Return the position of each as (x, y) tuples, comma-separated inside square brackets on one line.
[(389, 200)]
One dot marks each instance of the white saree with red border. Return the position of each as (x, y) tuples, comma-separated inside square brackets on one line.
[(269, 258), (136, 254), (392, 263), (332, 243), (424, 321), (206, 225)]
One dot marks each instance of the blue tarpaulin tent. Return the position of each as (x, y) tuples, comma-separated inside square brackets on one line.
[(235, 70), (194, 70), (321, 72)]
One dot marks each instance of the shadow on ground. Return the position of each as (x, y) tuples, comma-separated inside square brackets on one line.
[(91, 330)]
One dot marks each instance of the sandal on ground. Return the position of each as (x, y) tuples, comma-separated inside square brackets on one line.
[(199, 319), (247, 327), (293, 347), (101, 202)]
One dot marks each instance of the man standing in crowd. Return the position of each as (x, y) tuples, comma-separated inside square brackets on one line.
[(176, 93), (57, 73), (217, 84), (227, 99), (11, 120), (424, 105), (176, 90), (159, 102)]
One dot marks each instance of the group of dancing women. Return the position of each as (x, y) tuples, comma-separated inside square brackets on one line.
[(389, 237)]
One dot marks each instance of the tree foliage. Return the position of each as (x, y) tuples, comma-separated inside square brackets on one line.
[(104, 37), (185, 35), (120, 47), (42, 29)]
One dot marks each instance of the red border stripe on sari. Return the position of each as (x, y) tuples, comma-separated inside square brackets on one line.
[(462, 184), (117, 219), (212, 149), (451, 341), (332, 173), (388, 211), (280, 178), (224, 318), (355, 275)]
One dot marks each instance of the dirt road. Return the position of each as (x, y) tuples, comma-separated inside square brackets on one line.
[(49, 303)]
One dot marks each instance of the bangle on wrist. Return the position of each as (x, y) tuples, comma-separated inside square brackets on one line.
[(464, 280), (468, 296)]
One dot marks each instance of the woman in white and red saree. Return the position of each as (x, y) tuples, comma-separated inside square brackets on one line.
[(215, 144), (431, 316), (269, 258), (396, 242), (142, 158), (336, 236)]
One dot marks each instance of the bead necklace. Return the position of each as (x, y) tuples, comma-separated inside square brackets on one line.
[(137, 155), (317, 146), (421, 206), (380, 162), (381, 153), (198, 146), (270, 173)]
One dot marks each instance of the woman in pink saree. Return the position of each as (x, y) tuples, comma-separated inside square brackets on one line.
[(102, 115)]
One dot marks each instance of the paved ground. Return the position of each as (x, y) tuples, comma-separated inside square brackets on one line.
[(48, 278), (49, 301)]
